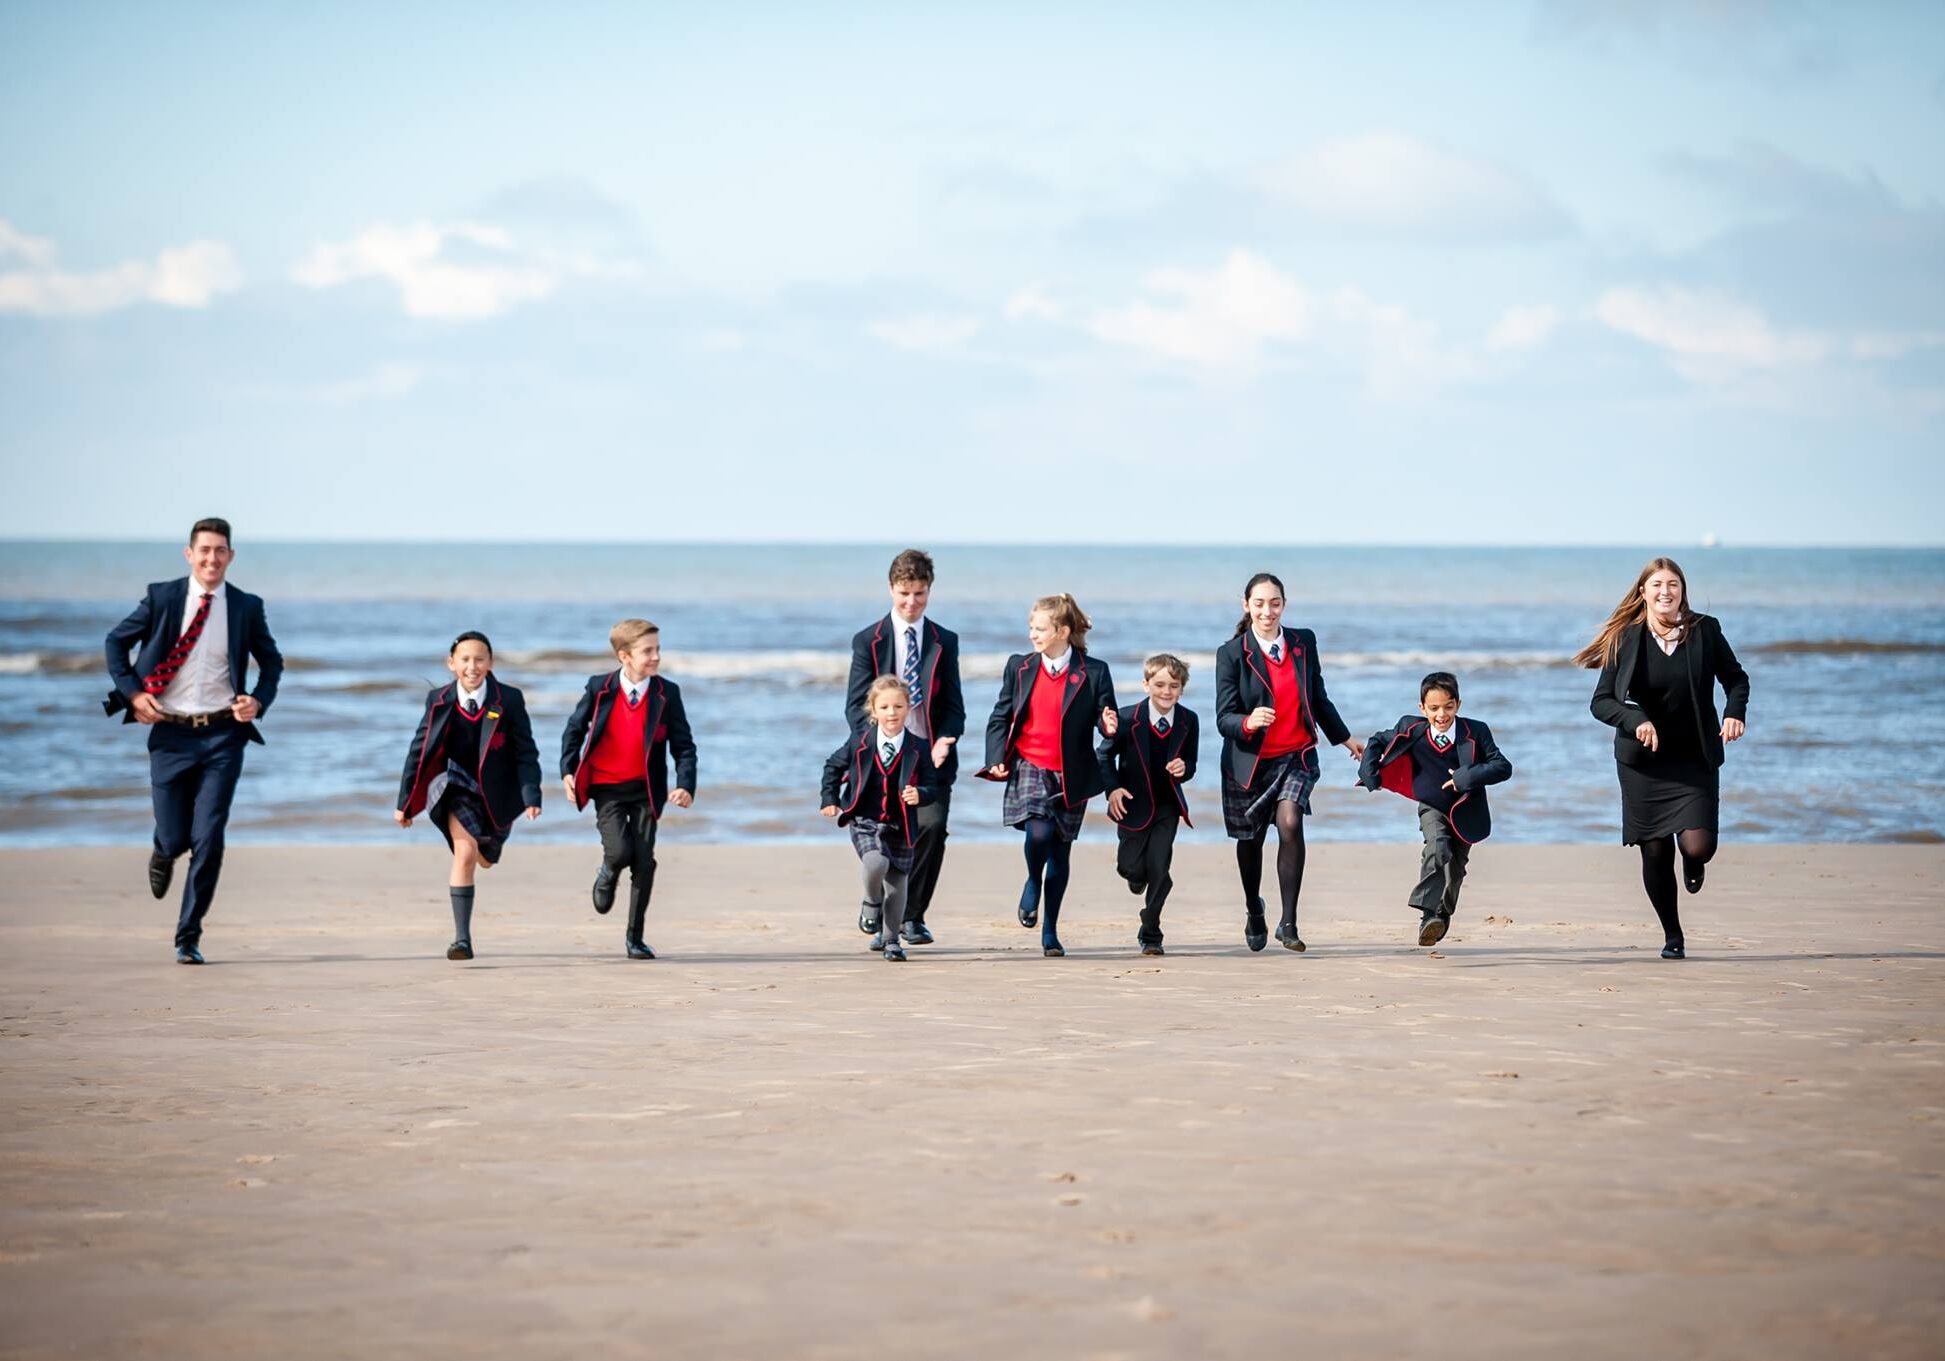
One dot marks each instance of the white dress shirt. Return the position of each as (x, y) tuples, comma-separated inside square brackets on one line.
[(900, 652), (202, 686), (634, 690), (1272, 647), (878, 744), (1157, 715), (1668, 644), (1055, 666), (1442, 737), (478, 696)]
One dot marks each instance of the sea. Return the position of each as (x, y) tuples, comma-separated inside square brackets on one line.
[(1845, 650)]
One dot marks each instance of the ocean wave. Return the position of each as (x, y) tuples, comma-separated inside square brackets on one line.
[(93, 663), (1847, 647)]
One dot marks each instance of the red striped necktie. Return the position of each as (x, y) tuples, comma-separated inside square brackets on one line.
[(158, 680)]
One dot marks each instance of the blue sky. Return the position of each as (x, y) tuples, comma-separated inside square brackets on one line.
[(1622, 272)]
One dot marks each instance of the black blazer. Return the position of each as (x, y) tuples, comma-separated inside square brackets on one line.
[(509, 762), (1128, 758), (846, 775), (1710, 660), (156, 623), (1387, 764), (1090, 689), (1243, 685), (874, 653), (590, 716)]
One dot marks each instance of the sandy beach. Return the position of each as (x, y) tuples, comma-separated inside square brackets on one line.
[(1541, 1140)]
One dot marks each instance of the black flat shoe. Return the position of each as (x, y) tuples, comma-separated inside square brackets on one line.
[(1155, 950), (1286, 934), (894, 955), (161, 869), (1137, 886), (1256, 932), (639, 950), (460, 949), (604, 889), (870, 917), (1030, 904), (188, 954), (1431, 929), (915, 933), (1691, 878), (1673, 950), (1052, 951)]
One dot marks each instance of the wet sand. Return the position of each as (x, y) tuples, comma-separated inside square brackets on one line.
[(1540, 1141)]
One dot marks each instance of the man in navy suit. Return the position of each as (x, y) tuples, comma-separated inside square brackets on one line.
[(194, 636)]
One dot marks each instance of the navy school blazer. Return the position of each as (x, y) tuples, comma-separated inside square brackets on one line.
[(1710, 660), (1134, 753), (509, 762), (1387, 764), (1090, 689), (874, 653), (847, 770), (1243, 685), (156, 624), (590, 717)]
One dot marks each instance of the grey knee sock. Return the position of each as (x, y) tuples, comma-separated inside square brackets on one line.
[(462, 912)]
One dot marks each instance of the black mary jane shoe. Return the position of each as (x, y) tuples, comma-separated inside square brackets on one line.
[(460, 949), (1051, 948), (1673, 950), (1154, 949), (893, 953), (1256, 932), (188, 954), (1030, 904), (1286, 934), (604, 889), (1691, 878), (1431, 928), (915, 933), (161, 869), (639, 950), (870, 917)]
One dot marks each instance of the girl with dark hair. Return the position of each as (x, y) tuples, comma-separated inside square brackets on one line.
[(1660, 662), (1270, 702), (474, 765)]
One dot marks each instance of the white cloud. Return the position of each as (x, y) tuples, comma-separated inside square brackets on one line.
[(1522, 328), (459, 272), (924, 332), (1893, 344), (1220, 319), (1389, 182), (180, 276), (1033, 303), (1708, 337)]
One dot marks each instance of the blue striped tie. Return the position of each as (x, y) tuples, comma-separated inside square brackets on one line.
[(911, 666)]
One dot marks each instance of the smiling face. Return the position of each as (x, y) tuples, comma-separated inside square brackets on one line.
[(208, 556), (908, 599), (1048, 639), (1163, 689), (470, 662), (1663, 590), (1441, 706), (888, 710), (641, 660), (1265, 605)]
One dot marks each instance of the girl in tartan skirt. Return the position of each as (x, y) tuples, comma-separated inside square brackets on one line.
[(873, 785), (1040, 741), (1270, 701)]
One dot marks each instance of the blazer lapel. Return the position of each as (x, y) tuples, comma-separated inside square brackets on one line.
[(1253, 658), (177, 600), (1074, 678), (489, 724), (233, 612), (657, 700)]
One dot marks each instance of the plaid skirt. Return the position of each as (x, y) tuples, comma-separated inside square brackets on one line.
[(455, 795), (868, 837), (1245, 812), (1032, 792)]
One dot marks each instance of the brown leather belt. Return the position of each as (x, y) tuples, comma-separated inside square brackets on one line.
[(218, 719)]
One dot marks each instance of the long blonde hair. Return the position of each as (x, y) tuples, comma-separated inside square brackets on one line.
[(1632, 610), (1065, 613)]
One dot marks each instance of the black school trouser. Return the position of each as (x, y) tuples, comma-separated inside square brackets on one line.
[(928, 853), (1441, 866), (192, 777), (1143, 858), (627, 831)]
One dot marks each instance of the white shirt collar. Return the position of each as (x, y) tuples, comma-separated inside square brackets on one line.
[(464, 694), (1275, 642), (897, 742), (636, 689), (1055, 665), (900, 623), (1432, 730), (197, 590), (1156, 715)]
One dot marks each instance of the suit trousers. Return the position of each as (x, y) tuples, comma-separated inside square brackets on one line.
[(1143, 858), (1441, 866), (628, 839), (192, 777), (928, 852)]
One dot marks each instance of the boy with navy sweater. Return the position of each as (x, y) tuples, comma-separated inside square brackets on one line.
[(1444, 763), (1144, 764)]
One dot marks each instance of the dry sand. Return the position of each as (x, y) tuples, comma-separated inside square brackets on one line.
[(1542, 1142)]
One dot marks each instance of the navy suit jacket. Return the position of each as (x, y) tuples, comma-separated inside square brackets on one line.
[(874, 653), (1131, 758), (156, 623), (1387, 764)]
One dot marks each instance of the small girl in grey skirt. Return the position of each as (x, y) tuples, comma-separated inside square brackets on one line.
[(871, 785)]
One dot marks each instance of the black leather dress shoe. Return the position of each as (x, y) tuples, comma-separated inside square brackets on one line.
[(460, 949), (161, 870), (1030, 904), (1152, 949), (915, 933), (1431, 929), (188, 954), (870, 915), (604, 889), (1691, 879), (1673, 950), (1256, 932), (1137, 886), (1286, 933), (639, 950), (1052, 949), (893, 953)]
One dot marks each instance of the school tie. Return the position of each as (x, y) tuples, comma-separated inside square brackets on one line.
[(158, 680), (890, 752), (1276, 653), (472, 707), (1441, 740), (911, 666), (1161, 726)]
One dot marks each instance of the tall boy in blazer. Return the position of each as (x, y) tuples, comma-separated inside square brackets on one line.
[(1144, 766), (615, 750), (907, 644), (194, 639)]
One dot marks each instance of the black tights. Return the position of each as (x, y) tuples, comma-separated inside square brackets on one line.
[(1697, 848), (1047, 856), (1289, 860)]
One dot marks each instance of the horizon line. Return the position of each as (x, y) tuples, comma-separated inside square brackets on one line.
[(580, 542)]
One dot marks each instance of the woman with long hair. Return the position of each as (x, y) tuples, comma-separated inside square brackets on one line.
[(1660, 662)]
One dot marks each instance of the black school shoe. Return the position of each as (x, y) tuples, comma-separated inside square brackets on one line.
[(1030, 904), (639, 950), (604, 888), (188, 954), (161, 868), (1691, 879), (1673, 950), (1256, 932), (870, 917), (1151, 947), (460, 949), (1286, 933), (894, 954), (1431, 928), (915, 933)]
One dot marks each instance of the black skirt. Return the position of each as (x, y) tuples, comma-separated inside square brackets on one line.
[(1661, 801), (456, 796)]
